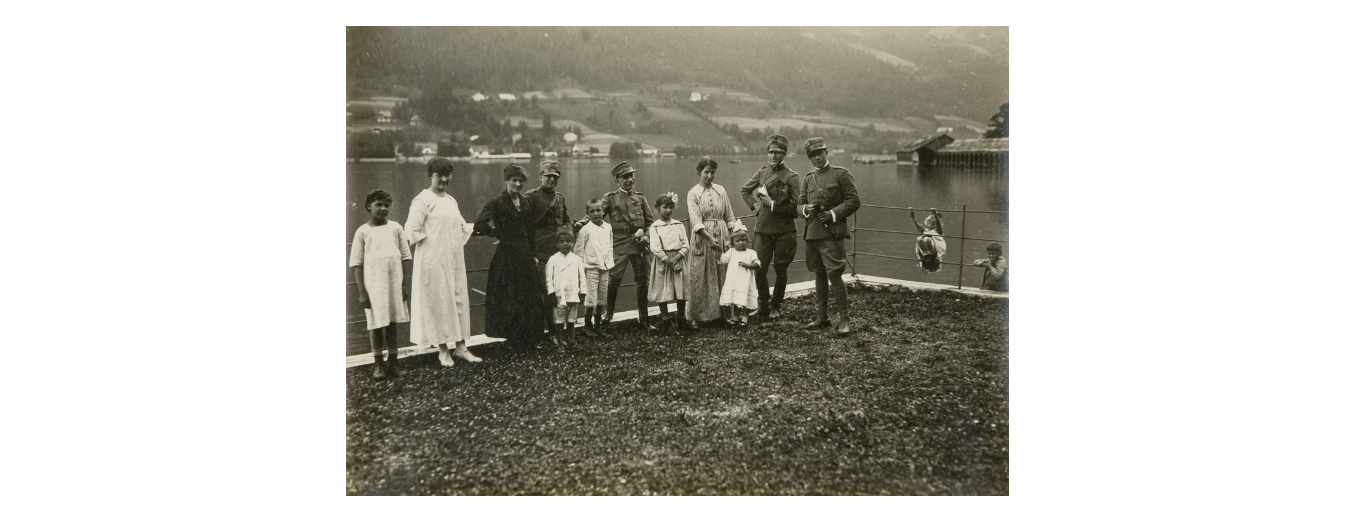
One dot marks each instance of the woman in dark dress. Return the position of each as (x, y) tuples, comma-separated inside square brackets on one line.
[(513, 300)]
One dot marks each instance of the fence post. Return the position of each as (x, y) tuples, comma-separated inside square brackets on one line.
[(963, 230), (855, 238)]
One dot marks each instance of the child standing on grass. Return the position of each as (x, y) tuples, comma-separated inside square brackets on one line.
[(379, 259), (740, 288), (594, 246), (995, 277), (931, 243), (667, 241), (564, 278)]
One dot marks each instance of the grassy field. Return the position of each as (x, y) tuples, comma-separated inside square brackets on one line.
[(915, 402)]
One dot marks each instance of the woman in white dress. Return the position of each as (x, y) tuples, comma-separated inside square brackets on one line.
[(441, 301)]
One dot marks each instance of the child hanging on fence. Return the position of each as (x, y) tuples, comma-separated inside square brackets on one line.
[(996, 276), (564, 278), (595, 247), (380, 259), (931, 243), (668, 242), (740, 287)]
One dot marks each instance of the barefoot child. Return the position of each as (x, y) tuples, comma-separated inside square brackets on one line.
[(667, 241), (379, 259), (931, 243), (995, 277), (740, 288), (594, 246), (564, 278)]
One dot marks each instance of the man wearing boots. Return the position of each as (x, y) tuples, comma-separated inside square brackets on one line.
[(553, 216), (773, 192), (628, 211), (829, 196)]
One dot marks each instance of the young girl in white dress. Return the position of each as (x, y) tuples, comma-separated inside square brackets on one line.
[(740, 287), (667, 241), (379, 259)]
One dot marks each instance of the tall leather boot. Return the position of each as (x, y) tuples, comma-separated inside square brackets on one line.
[(642, 299), (611, 290), (843, 309), (820, 294), (778, 295)]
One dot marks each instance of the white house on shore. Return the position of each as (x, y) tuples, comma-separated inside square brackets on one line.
[(383, 116), (695, 96), (535, 94), (503, 96), (570, 137), (479, 96)]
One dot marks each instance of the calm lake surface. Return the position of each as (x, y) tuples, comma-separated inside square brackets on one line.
[(475, 183)]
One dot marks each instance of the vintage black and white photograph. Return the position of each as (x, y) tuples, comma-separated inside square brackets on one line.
[(677, 260)]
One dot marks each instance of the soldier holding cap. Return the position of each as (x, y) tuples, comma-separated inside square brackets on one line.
[(829, 197), (552, 216), (630, 215), (773, 192)]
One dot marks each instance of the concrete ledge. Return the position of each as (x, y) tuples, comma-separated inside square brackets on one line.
[(797, 289)]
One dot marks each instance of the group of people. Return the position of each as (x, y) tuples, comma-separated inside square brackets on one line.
[(547, 266)]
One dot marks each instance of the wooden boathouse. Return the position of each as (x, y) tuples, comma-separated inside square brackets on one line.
[(923, 151), (985, 152), (943, 150)]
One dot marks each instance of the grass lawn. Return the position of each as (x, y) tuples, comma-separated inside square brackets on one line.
[(915, 402)]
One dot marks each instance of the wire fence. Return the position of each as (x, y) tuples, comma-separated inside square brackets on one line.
[(963, 221)]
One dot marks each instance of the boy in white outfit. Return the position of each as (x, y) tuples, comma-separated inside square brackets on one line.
[(564, 279), (595, 247)]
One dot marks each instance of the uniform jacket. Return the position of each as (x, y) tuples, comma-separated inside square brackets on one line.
[(834, 189), (783, 188), (626, 212), (552, 214)]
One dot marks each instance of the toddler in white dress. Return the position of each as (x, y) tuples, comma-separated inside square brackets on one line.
[(740, 287)]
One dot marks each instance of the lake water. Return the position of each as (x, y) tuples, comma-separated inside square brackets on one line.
[(475, 183)]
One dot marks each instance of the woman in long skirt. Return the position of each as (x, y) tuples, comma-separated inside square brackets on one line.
[(440, 307), (712, 220), (513, 308)]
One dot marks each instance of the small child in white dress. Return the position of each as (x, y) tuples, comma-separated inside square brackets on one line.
[(931, 242), (740, 287), (380, 259)]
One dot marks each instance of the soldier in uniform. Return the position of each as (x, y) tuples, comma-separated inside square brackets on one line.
[(829, 197), (552, 216), (774, 236), (630, 215)]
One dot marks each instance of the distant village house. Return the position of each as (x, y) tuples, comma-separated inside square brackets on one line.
[(479, 96), (506, 97)]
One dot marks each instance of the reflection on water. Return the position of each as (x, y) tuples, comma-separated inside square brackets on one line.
[(475, 183)]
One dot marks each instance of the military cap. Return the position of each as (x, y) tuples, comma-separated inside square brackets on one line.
[(814, 144), (621, 169), (777, 143), (549, 167)]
